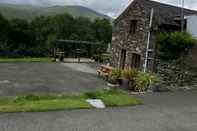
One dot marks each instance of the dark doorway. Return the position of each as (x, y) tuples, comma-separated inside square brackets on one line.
[(135, 61), (123, 58)]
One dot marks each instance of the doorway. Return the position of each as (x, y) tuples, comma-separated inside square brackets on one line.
[(135, 61), (123, 58)]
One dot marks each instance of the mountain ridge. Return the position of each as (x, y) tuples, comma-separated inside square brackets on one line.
[(29, 11)]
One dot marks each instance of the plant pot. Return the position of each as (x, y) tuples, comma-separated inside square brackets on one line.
[(119, 81), (132, 85), (125, 84)]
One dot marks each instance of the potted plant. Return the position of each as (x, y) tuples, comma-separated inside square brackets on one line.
[(144, 81), (128, 76), (115, 76)]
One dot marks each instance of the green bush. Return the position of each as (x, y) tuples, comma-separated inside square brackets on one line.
[(116, 73), (173, 45), (144, 80), (102, 57), (138, 81), (115, 76), (129, 74)]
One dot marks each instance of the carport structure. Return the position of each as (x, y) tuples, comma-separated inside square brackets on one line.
[(75, 49)]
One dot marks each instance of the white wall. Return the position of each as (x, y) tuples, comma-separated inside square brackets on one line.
[(192, 25)]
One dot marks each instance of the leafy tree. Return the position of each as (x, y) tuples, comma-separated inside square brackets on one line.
[(4, 34), (37, 38), (63, 26), (103, 33), (102, 30), (21, 33), (173, 45), (41, 28), (83, 29)]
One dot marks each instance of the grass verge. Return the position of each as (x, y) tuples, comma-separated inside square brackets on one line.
[(33, 103), (113, 98), (44, 59)]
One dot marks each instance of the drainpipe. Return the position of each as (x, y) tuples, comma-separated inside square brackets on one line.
[(148, 41), (182, 16)]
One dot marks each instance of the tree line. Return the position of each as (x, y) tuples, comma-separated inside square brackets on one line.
[(36, 38)]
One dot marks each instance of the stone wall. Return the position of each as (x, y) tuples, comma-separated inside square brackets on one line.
[(194, 55), (132, 43), (175, 74)]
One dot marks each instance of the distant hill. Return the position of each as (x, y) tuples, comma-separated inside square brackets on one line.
[(29, 12)]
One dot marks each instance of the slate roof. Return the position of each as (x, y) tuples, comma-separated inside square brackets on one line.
[(164, 13)]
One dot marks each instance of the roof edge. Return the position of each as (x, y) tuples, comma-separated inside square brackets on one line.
[(124, 11), (136, 1)]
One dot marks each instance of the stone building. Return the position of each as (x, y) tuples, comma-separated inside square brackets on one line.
[(131, 29)]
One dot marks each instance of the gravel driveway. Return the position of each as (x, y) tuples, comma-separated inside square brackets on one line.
[(29, 78)]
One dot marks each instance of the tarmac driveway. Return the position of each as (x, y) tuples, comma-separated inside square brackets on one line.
[(172, 111), (29, 78)]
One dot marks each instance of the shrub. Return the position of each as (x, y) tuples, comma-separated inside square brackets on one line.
[(144, 80), (115, 76), (129, 74), (137, 81), (106, 57), (172, 45), (116, 73), (102, 57)]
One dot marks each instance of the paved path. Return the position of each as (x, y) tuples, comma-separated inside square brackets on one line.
[(28, 78), (160, 112)]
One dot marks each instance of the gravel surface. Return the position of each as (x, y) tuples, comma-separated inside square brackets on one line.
[(29, 78), (82, 67)]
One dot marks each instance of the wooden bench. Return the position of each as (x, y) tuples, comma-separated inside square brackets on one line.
[(105, 71)]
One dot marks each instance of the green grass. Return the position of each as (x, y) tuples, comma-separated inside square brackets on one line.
[(6, 60), (113, 98), (42, 103), (33, 103)]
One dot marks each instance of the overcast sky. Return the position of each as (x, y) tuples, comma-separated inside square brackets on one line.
[(110, 7)]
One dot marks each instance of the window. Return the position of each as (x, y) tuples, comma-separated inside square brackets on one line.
[(135, 61), (133, 26)]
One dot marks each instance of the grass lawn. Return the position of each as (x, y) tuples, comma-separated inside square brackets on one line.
[(113, 98), (32, 103), (44, 105), (44, 59)]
